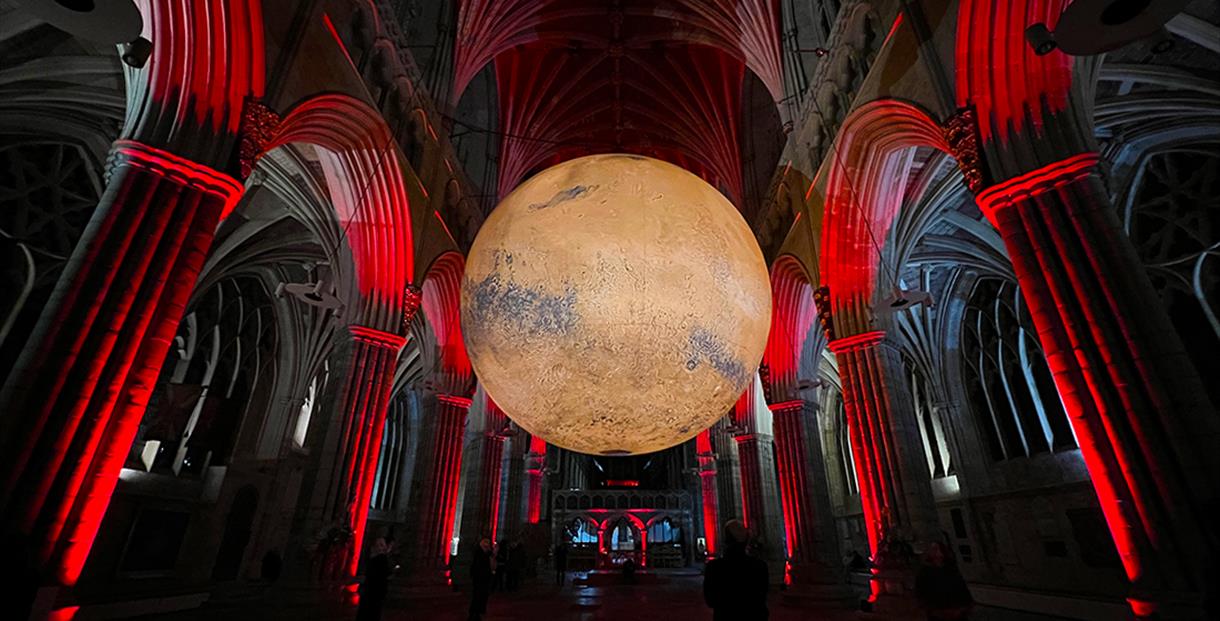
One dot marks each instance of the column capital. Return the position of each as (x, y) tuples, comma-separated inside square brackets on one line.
[(794, 405), (961, 132), (455, 401), (857, 342), (380, 338), (178, 169), (1035, 182)]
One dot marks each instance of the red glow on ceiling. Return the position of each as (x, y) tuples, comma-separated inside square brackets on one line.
[(207, 59), (442, 293), (792, 315), (866, 186), (359, 158), (997, 70)]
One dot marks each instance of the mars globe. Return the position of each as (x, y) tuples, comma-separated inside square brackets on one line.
[(615, 305)]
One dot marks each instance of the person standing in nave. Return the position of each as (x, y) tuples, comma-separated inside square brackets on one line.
[(735, 585), (561, 564), (941, 589), (376, 584), (482, 569)]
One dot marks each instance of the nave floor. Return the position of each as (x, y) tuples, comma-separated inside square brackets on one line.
[(678, 599)]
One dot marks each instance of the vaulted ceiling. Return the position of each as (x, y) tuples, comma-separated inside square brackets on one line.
[(664, 79)]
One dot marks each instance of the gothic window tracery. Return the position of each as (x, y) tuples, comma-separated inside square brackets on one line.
[(48, 192), (931, 431), (1010, 388), (1171, 220), (221, 367), (847, 461), (309, 403)]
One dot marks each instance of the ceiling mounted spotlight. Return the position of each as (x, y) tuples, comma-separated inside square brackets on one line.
[(901, 299), (103, 21), (1089, 27), (313, 294), (136, 53)]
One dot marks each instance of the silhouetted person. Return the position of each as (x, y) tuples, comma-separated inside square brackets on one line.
[(19, 576), (482, 568), (501, 557), (941, 589), (735, 585), (516, 564), (272, 566), (561, 564), (629, 570), (376, 584)]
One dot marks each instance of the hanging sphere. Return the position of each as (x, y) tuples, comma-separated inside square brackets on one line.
[(615, 305)]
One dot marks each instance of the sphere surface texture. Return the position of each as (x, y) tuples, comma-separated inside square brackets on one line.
[(615, 305)]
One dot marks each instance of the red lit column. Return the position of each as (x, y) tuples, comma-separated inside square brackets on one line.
[(489, 494), (707, 487), (535, 469), (443, 477), (109, 323), (1145, 428), (363, 404), (812, 554), (895, 487), (481, 510)]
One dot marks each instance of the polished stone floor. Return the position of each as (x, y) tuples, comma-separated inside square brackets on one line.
[(677, 598)]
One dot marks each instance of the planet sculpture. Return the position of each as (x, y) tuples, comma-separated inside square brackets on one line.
[(615, 305)]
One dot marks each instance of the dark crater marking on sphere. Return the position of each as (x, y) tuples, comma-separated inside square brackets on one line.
[(524, 309), (563, 195), (704, 346)]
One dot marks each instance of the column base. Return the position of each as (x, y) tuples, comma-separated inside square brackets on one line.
[(811, 583), (1167, 605), (895, 593)]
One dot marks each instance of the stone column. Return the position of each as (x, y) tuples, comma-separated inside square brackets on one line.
[(708, 490), (1146, 430), (441, 480), (811, 558), (895, 487), (759, 491), (515, 494), (535, 467), (363, 403), (77, 394), (480, 515)]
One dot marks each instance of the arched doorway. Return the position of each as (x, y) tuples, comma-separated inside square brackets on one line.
[(237, 534), (666, 546), (622, 541)]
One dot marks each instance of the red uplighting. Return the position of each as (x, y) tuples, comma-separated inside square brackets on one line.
[(622, 483)]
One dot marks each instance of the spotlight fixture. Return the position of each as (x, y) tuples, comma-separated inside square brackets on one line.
[(901, 299), (313, 294), (136, 52), (808, 384), (817, 51), (1089, 27)]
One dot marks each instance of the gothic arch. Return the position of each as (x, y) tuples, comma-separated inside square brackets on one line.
[(866, 188), (441, 303), (364, 174), (791, 318)]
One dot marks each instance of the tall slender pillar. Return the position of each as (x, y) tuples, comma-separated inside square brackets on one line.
[(1146, 430), (810, 560), (895, 487), (514, 502), (708, 490), (535, 468), (759, 491), (81, 392), (480, 514), (441, 485), (363, 404)]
